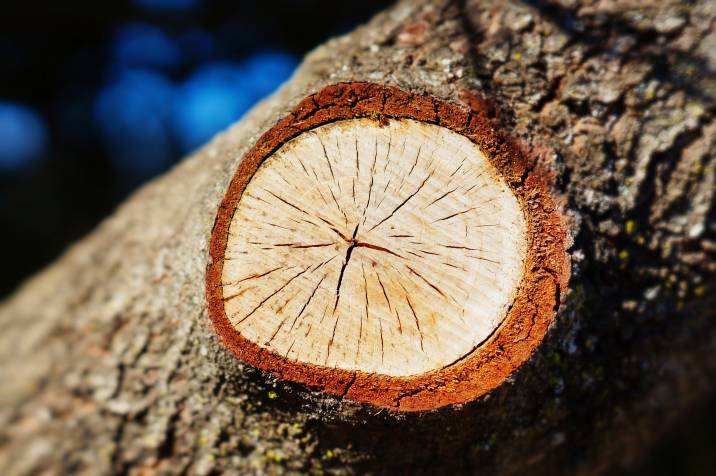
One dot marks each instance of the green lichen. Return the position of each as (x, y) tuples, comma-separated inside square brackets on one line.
[(630, 227), (273, 456), (623, 257)]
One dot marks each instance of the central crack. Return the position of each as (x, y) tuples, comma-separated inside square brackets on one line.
[(353, 243)]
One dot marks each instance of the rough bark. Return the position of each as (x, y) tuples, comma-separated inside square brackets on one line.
[(109, 364)]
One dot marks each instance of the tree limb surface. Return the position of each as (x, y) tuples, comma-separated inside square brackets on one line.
[(109, 363)]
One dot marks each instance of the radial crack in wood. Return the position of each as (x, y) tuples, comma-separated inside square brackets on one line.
[(391, 249)]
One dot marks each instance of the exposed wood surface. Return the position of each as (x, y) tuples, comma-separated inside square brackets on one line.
[(531, 306), (394, 249)]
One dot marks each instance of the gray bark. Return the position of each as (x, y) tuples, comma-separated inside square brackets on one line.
[(109, 366)]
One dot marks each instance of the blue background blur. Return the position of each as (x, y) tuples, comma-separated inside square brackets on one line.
[(97, 97)]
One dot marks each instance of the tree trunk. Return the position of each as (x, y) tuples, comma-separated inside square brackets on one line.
[(110, 363)]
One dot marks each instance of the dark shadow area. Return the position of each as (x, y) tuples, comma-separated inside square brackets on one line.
[(688, 451)]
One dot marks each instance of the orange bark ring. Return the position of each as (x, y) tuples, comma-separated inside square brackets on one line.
[(546, 268)]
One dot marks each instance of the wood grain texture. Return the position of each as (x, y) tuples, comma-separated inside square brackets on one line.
[(531, 308), (394, 249)]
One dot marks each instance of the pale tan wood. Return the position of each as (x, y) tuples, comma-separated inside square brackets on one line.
[(393, 249)]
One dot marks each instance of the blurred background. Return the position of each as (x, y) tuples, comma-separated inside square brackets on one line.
[(97, 97)]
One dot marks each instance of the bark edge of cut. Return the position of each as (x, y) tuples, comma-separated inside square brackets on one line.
[(546, 270)]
